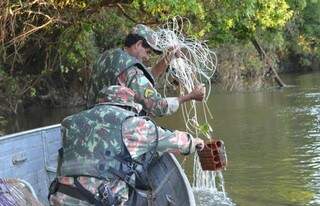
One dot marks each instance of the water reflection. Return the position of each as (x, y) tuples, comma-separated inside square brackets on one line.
[(272, 140), (35, 117), (313, 148)]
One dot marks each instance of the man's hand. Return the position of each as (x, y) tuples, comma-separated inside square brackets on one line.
[(196, 144), (199, 144), (198, 93), (172, 52), (161, 66)]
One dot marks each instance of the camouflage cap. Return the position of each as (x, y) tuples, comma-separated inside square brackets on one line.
[(119, 95), (149, 35)]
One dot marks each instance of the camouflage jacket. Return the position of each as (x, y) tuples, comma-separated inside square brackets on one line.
[(93, 137), (118, 67), (109, 65), (151, 100)]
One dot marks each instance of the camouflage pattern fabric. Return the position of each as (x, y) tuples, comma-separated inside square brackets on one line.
[(150, 99), (108, 67), (139, 136), (117, 187), (148, 34), (118, 67), (93, 137), (122, 96)]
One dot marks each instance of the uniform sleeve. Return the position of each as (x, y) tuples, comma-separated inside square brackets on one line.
[(151, 100), (140, 136)]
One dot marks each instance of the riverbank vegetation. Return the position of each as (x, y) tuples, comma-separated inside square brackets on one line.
[(48, 47)]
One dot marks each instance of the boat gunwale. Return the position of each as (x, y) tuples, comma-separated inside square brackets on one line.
[(40, 129)]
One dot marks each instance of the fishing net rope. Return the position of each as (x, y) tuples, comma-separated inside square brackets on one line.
[(196, 65)]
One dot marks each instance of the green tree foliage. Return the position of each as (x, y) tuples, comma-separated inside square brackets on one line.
[(56, 42), (57, 50), (242, 19), (245, 20), (164, 9), (303, 32), (77, 47), (80, 44)]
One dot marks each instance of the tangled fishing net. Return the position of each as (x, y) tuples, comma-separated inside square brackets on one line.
[(196, 65)]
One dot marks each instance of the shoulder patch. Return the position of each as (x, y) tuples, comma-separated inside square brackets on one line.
[(148, 93)]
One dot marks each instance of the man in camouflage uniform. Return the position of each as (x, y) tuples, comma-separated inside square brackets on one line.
[(106, 150), (124, 67)]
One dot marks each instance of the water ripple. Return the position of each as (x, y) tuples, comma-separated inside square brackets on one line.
[(207, 197)]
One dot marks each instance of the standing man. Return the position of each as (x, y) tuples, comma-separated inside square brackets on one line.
[(108, 149), (123, 66)]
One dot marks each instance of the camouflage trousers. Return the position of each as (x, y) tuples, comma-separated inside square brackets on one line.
[(118, 188)]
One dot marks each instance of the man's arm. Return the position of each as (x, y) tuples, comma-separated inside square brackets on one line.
[(161, 66), (152, 101), (197, 94), (140, 135)]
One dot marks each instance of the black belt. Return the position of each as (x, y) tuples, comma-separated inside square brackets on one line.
[(78, 192)]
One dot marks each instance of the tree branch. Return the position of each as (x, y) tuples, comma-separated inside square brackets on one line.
[(125, 14)]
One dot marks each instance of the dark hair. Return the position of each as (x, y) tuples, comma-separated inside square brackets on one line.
[(131, 39)]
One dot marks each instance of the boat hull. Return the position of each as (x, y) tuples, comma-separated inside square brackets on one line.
[(31, 156), (169, 184)]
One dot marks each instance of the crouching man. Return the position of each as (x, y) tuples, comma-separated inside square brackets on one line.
[(108, 149)]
